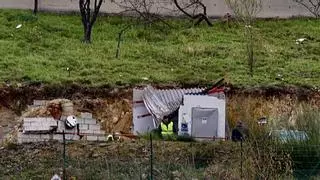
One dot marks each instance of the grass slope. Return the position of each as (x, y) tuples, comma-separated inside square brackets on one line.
[(46, 45)]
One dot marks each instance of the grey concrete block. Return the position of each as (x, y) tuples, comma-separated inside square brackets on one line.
[(86, 115), (40, 102), (51, 120), (87, 132), (99, 132), (94, 127), (80, 120), (34, 136), (25, 138), (45, 137), (26, 125), (73, 137), (21, 137), (83, 126), (102, 138), (58, 137), (91, 138), (61, 126), (32, 120), (90, 121)]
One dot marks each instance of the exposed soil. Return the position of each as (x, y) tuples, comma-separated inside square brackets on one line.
[(112, 106)]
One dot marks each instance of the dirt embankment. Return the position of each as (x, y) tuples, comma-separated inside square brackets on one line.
[(113, 106)]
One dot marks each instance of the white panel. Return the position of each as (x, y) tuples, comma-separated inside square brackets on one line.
[(204, 102), (140, 124)]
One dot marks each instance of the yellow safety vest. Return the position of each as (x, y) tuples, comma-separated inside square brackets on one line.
[(167, 130)]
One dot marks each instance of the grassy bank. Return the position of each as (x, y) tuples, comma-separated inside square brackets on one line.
[(42, 49)]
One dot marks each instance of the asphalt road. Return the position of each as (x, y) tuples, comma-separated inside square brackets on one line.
[(271, 8)]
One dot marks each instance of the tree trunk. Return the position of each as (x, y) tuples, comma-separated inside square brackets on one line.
[(35, 9), (87, 33)]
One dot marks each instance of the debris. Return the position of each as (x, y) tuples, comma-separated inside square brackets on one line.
[(279, 77), (110, 137), (18, 26), (145, 78), (55, 177), (262, 121), (300, 40)]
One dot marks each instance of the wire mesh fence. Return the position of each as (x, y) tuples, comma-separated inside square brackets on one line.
[(158, 159)]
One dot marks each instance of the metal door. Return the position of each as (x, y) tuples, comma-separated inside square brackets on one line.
[(204, 122)]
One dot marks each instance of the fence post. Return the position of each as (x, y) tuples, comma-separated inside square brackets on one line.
[(151, 157), (241, 149), (64, 156)]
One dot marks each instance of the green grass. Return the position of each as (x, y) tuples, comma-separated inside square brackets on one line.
[(42, 49)]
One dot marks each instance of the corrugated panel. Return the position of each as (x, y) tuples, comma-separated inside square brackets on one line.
[(161, 103)]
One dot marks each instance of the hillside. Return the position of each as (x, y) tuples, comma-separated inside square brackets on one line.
[(45, 46)]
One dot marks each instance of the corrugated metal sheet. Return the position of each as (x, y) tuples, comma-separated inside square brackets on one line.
[(161, 103)]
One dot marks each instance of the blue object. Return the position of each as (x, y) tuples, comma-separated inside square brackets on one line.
[(184, 127), (290, 135)]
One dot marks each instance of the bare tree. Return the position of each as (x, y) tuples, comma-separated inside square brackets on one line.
[(150, 10), (147, 11), (88, 18), (246, 12), (313, 6), (35, 8), (196, 5)]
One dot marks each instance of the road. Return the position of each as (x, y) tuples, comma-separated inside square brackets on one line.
[(271, 8)]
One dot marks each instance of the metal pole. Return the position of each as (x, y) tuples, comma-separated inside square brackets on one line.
[(151, 157), (64, 156), (241, 171)]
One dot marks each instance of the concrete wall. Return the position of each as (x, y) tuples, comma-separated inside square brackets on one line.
[(272, 8)]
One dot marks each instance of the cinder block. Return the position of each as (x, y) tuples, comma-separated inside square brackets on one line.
[(21, 137), (83, 126), (58, 137), (33, 120), (61, 125), (72, 137), (86, 115), (26, 124), (45, 137), (34, 136), (87, 132), (90, 121), (40, 102), (99, 132), (91, 138), (102, 138), (25, 138), (40, 120), (50, 120), (80, 120), (94, 127)]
